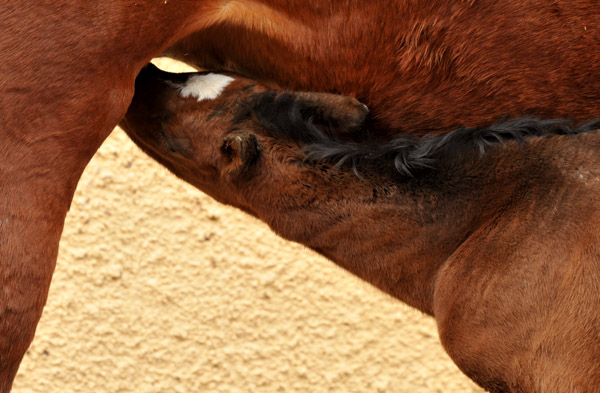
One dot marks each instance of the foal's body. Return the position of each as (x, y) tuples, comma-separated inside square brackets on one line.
[(500, 248), (68, 70)]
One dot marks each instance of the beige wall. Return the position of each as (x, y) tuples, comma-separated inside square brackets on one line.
[(160, 289)]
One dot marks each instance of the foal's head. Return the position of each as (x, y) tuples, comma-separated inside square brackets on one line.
[(223, 132)]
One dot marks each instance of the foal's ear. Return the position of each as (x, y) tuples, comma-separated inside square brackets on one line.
[(341, 114), (239, 150)]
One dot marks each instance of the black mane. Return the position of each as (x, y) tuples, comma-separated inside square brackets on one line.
[(410, 153), (286, 117)]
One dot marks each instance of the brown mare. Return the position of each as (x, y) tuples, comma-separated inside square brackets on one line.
[(492, 231), (68, 69)]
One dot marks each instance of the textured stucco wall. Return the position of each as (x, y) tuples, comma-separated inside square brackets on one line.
[(160, 289)]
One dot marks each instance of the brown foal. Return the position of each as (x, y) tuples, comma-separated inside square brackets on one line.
[(492, 231)]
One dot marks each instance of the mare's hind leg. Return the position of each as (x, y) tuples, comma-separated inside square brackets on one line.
[(41, 160), (28, 248)]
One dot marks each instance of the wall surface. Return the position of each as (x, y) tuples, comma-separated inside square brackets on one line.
[(158, 288)]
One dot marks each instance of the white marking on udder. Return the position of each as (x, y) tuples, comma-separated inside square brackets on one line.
[(205, 87)]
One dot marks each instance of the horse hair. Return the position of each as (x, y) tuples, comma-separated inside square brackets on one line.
[(284, 115)]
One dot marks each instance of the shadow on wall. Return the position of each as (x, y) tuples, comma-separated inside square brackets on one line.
[(160, 289)]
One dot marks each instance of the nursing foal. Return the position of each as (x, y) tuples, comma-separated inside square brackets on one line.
[(493, 232)]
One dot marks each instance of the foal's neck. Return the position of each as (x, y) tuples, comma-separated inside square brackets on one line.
[(394, 232)]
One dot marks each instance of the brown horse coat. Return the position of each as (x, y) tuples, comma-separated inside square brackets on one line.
[(492, 231), (68, 68)]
